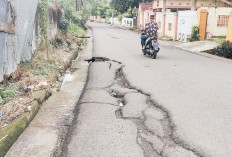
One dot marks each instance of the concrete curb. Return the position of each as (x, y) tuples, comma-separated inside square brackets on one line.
[(10, 134), (45, 135)]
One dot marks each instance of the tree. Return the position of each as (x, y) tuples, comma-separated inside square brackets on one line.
[(122, 6), (100, 8)]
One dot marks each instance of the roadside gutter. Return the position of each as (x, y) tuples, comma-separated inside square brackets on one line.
[(45, 135)]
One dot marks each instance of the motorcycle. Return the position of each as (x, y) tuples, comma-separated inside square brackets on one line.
[(152, 47)]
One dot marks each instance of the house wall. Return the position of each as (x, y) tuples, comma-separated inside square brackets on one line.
[(178, 3), (146, 18), (170, 21), (209, 3), (229, 32), (159, 4), (213, 14), (147, 15), (141, 21), (185, 4), (186, 19), (160, 21)]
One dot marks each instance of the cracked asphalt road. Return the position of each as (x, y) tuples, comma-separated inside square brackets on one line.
[(178, 105)]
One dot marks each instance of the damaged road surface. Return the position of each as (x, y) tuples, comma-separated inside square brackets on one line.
[(116, 119), (178, 105)]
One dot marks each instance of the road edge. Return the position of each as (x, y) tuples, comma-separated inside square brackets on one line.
[(59, 123)]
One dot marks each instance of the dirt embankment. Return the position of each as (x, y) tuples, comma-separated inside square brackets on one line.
[(18, 94)]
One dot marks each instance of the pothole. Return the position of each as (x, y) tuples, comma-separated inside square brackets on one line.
[(97, 59)]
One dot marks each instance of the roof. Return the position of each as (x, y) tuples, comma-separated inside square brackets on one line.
[(145, 6)]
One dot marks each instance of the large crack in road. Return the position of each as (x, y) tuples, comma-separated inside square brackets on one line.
[(155, 129)]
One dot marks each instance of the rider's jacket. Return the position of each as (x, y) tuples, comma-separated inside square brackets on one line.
[(151, 29)]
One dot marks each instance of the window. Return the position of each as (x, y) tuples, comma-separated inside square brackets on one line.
[(222, 20), (170, 26)]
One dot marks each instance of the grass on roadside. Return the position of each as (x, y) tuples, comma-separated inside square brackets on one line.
[(218, 40), (77, 30), (7, 93)]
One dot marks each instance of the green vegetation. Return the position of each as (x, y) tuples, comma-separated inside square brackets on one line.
[(122, 6), (223, 50), (43, 21), (218, 40), (100, 8), (71, 16), (44, 68), (7, 93), (10, 133), (117, 8), (77, 30), (64, 24), (195, 33)]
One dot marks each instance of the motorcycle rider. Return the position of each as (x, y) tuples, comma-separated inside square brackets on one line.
[(151, 29)]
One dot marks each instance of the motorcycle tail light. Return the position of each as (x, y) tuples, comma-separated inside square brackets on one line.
[(154, 37)]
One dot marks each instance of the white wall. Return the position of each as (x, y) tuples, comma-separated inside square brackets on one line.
[(127, 22), (115, 21), (170, 19), (146, 18), (186, 19), (160, 21), (212, 21)]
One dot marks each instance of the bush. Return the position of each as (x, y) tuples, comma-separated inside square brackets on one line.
[(120, 17), (195, 33), (7, 93), (64, 23), (77, 30), (80, 19), (224, 50)]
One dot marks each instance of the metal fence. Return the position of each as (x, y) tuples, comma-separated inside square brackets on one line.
[(20, 33), (18, 46)]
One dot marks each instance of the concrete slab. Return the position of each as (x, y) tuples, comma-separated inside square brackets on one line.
[(100, 133), (135, 103), (102, 78), (98, 96)]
